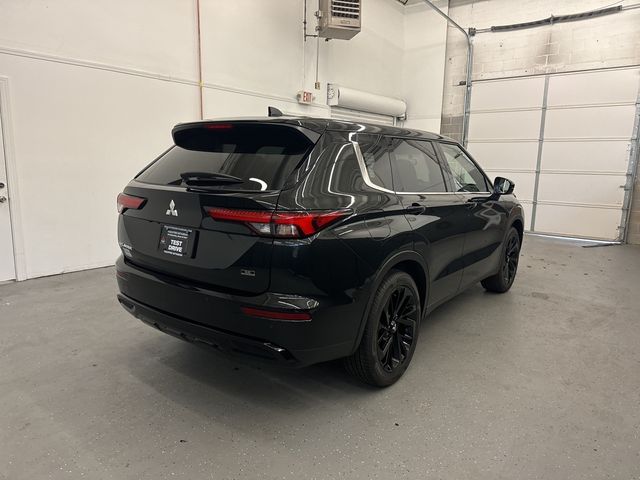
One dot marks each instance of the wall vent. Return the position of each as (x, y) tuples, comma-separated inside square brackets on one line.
[(339, 18)]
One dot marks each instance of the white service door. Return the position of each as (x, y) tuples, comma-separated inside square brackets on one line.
[(7, 266)]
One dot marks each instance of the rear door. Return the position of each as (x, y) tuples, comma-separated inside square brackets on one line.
[(434, 212), (485, 220), (234, 168)]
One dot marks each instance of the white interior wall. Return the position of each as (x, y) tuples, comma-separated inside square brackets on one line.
[(251, 63), (79, 136), (95, 88), (423, 65), (153, 36), (372, 60)]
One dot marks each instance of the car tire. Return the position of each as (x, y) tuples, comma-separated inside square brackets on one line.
[(502, 281), (391, 332)]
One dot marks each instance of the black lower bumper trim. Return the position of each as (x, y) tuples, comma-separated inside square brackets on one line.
[(195, 333)]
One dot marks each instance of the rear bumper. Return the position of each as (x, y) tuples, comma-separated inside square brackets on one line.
[(215, 319), (210, 337)]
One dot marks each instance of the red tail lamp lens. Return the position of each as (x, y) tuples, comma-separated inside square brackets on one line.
[(126, 202), (218, 126), (279, 224), (308, 222), (276, 315), (244, 216)]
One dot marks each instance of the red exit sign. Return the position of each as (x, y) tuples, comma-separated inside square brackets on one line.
[(305, 97)]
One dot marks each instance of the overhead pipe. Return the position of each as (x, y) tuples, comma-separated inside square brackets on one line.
[(317, 37), (304, 23), (553, 19), (467, 92)]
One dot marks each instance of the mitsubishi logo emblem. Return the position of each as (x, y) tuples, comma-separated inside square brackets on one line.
[(172, 209)]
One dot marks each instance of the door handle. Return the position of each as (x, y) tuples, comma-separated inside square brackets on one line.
[(415, 209), (3, 199), (471, 202)]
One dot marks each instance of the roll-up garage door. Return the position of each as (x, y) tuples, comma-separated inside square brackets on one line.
[(565, 139)]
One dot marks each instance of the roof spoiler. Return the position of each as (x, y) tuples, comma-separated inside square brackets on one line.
[(210, 136)]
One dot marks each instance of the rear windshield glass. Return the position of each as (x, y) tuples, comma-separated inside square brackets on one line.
[(231, 157)]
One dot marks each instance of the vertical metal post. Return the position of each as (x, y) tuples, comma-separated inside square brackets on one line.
[(466, 112), (543, 118)]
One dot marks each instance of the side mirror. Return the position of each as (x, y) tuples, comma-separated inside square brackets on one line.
[(503, 186)]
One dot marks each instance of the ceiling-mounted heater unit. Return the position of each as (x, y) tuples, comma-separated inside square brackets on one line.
[(339, 18)]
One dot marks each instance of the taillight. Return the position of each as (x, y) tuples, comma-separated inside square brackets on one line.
[(129, 201), (279, 224)]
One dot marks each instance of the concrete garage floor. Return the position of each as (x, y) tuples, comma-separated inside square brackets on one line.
[(543, 382)]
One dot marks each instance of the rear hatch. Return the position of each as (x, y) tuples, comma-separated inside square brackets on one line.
[(173, 213)]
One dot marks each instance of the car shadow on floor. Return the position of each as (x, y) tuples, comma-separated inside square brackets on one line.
[(210, 383)]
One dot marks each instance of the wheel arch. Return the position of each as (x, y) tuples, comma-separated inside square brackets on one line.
[(516, 219), (518, 224), (409, 262), (417, 272)]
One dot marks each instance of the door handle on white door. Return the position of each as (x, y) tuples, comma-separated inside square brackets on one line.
[(3, 199)]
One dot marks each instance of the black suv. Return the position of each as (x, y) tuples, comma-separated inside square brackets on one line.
[(301, 240)]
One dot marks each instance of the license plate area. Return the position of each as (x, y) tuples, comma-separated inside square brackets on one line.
[(176, 241)]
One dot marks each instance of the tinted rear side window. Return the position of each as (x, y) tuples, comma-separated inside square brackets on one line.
[(263, 156), (375, 151), (415, 166)]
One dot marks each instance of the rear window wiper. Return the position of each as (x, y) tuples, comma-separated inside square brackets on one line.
[(207, 178)]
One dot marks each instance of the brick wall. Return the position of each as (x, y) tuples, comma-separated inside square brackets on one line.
[(608, 41)]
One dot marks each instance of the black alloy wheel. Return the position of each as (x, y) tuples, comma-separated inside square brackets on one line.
[(391, 332), (503, 279), (396, 328), (511, 256)]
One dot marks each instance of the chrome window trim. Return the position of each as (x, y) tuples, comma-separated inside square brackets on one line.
[(369, 182)]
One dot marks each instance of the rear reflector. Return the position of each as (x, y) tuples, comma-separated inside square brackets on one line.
[(126, 202), (275, 315), (279, 224)]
